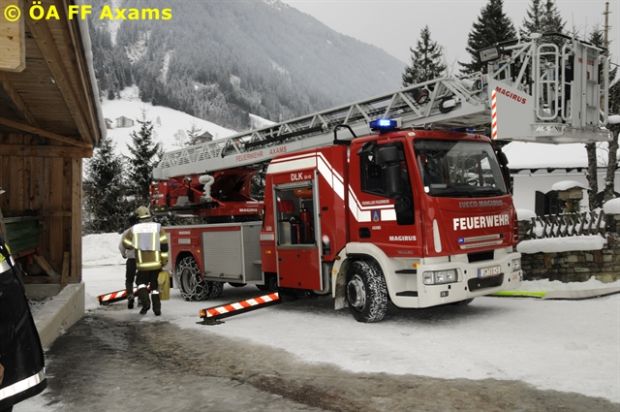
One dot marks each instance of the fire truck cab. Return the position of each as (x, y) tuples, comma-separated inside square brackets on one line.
[(422, 217)]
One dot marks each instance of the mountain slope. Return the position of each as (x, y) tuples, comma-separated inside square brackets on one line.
[(220, 60)]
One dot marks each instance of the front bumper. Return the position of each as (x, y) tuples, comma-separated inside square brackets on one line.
[(407, 290)]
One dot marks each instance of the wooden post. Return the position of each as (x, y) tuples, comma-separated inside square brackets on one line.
[(12, 36), (64, 276)]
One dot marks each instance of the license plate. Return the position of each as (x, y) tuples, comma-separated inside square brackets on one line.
[(489, 271)]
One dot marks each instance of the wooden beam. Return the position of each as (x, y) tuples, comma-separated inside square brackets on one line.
[(45, 151), (47, 268), (75, 274), (17, 100), (47, 46), (12, 37), (73, 37), (43, 133)]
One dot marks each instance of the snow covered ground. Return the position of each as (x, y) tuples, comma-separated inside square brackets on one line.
[(571, 346), (170, 125)]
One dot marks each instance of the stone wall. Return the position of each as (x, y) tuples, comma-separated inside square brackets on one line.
[(577, 266)]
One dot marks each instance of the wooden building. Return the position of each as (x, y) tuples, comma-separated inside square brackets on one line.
[(50, 120)]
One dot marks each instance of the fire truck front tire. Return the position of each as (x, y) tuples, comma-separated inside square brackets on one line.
[(366, 291)]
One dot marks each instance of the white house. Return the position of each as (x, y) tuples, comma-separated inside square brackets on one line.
[(536, 167)]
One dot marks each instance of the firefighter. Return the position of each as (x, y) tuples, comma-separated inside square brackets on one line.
[(130, 265), (150, 243), (22, 372)]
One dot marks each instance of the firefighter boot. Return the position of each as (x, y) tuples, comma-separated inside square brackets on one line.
[(143, 297), (130, 301), (156, 303)]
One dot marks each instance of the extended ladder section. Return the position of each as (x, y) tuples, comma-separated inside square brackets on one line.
[(552, 89), (535, 91)]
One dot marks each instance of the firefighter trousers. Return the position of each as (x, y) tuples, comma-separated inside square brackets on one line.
[(130, 276), (148, 280)]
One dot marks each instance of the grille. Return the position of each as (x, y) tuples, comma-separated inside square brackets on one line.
[(482, 283), (480, 256)]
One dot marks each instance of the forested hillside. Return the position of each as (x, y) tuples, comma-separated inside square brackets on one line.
[(220, 60)]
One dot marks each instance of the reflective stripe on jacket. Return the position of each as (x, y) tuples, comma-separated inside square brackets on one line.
[(4, 265)]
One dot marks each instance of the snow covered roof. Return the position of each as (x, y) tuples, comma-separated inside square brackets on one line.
[(523, 155), (612, 207), (567, 184)]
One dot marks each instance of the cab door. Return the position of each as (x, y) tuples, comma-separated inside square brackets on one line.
[(297, 233), (381, 197)]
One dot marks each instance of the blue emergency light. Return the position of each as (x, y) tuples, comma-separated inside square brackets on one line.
[(384, 125)]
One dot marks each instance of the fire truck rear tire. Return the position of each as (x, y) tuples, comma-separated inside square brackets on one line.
[(191, 284), (215, 289), (366, 291)]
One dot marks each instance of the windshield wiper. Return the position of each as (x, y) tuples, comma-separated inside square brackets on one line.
[(486, 191)]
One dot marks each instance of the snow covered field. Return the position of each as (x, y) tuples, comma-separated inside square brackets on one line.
[(166, 122), (571, 346)]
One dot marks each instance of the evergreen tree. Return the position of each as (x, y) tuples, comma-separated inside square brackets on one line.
[(542, 18), (493, 26), (532, 23), (104, 190), (193, 134), (144, 157), (426, 60), (551, 21)]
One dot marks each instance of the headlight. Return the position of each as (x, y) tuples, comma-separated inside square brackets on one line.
[(438, 277), (516, 264)]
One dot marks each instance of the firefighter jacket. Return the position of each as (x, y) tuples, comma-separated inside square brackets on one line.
[(150, 243), (21, 356), (126, 253)]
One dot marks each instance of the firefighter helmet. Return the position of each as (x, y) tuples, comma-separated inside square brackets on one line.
[(143, 213)]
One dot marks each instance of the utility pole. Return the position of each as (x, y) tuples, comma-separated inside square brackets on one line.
[(606, 27), (612, 161)]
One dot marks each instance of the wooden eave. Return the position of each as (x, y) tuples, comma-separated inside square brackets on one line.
[(54, 97)]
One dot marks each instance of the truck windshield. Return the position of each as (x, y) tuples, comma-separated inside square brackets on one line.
[(459, 168)]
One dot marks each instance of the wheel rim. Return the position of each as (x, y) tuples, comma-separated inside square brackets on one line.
[(356, 292), (188, 280)]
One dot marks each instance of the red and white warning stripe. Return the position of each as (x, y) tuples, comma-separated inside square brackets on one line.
[(494, 114), (244, 305), (121, 294), (114, 296)]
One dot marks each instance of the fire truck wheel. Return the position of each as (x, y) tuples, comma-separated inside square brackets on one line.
[(463, 302), (215, 289), (191, 284), (366, 292)]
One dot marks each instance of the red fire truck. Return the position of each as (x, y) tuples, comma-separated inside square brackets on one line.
[(408, 208)]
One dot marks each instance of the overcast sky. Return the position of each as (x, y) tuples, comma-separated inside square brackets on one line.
[(394, 25)]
